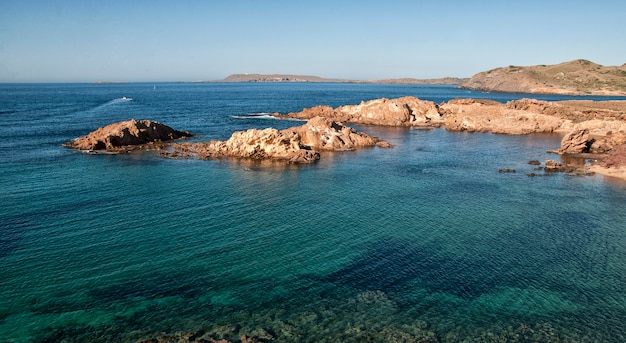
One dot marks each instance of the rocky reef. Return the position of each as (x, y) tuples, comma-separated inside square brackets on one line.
[(125, 136), (593, 130), (300, 144)]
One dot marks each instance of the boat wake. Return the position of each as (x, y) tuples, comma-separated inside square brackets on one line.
[(122, 99), (255, 115), (114, 101), (262, 115)]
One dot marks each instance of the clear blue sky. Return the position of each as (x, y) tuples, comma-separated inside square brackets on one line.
[(85, 41)]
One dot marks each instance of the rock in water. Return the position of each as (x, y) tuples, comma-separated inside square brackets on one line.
[(296, 145), (325, 134), (115, 137)]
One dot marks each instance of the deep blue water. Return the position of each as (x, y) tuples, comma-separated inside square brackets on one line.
[(423, 240)]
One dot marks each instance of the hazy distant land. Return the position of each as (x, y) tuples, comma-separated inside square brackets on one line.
[(309, 78)]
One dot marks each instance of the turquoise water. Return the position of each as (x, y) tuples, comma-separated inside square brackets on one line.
[(423, 241)]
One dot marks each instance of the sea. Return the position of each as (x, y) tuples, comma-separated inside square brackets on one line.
[(423, 242)]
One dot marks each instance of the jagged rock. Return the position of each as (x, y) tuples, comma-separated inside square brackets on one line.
[(492, 116), (258, 144), (325, 134), (576, 142), (115, 137), (405, 111), (296, 145)]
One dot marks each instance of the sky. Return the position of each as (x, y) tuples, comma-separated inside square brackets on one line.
[(183, 40)]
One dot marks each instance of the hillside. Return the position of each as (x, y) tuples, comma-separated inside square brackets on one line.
[(576, 77), (308, 78)]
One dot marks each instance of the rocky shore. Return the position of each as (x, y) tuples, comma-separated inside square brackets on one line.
[(300, 144), (592, 130)]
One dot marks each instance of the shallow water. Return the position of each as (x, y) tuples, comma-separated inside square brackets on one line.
[(425, 240)]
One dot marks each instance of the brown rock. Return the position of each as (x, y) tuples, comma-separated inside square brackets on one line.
[(257, 144), (128, 133), (554, 166), (295, 145), (576, 142), (616, 158), (491, 116), (406, 111), (325, 134)]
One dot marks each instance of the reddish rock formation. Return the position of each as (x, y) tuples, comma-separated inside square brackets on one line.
[(406, 111), (295, 145), (576, 142), (616, 158), (121, 136), (491, 116)]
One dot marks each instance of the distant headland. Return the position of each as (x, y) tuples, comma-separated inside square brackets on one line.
[(310, 78)]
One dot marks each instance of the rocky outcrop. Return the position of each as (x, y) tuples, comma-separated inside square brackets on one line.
[(296, 145), (405, 111), (325, 134), (126, 135), (554, 166), (491, 116), (576, 142), (524, 116)]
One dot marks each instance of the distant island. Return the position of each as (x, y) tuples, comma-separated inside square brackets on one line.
[(578, 77), (309, 78)]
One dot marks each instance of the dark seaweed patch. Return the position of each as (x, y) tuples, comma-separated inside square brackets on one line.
[(391, 266), (165, 287)]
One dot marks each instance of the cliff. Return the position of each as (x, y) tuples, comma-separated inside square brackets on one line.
[(575, 77)]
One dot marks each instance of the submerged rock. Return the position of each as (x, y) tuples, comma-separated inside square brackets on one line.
[(116, 137)]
